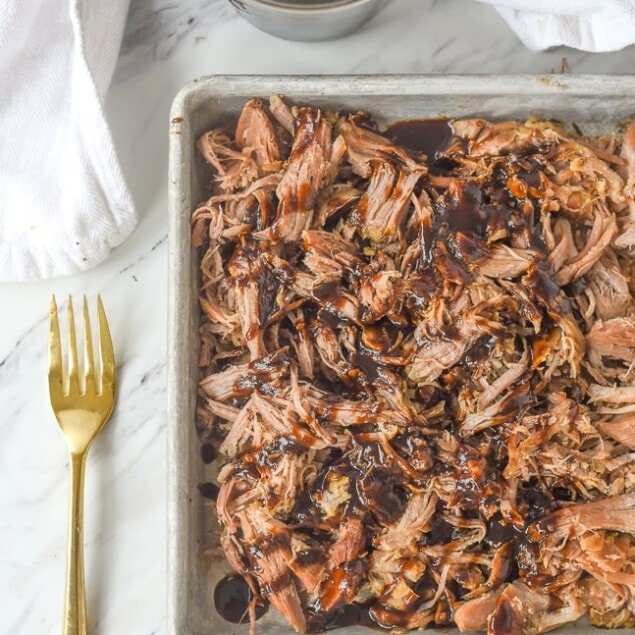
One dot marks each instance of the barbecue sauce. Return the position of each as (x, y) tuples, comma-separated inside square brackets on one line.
[(208, 453), (383, 495), (371, 368), (498, 534), (428, 136), (208, 490), (352, 615), (232, 596), (462, 212)]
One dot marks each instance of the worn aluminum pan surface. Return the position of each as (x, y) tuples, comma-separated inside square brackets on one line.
[(195, 562)]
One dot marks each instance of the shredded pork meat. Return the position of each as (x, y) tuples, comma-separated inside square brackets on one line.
[(418, 368)]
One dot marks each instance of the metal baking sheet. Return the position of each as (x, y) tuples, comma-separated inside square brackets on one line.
[(195, 561)]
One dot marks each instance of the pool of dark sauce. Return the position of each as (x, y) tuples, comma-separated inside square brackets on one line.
[(429, 136), (232, 596), (352, 615), (208, 490), (208, 453)]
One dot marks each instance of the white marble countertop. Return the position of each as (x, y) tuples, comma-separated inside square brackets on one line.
[(168, 43)]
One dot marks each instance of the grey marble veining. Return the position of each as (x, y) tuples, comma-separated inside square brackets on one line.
[(167, 44), (422, 36)]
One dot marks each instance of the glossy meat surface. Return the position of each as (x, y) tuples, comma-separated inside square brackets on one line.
[(417, 358)]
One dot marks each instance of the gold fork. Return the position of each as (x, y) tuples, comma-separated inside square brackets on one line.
[(82, 412)]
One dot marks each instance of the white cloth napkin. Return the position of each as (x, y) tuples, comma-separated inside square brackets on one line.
[(63, 201), (589, 25)]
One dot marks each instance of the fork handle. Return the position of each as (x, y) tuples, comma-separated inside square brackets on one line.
[(75, 599)]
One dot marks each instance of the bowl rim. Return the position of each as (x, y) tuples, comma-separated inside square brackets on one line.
[(293, 6)]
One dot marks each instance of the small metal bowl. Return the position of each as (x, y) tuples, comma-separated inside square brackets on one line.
[(308, 20)]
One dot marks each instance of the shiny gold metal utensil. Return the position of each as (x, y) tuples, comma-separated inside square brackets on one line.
[(81, 409)]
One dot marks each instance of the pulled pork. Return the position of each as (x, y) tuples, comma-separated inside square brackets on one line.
[(417, 354)]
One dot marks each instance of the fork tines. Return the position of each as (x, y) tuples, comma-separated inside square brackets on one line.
[(106, 354)]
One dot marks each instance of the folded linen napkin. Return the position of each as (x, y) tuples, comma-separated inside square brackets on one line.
[(63, 201), (589, 25)]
